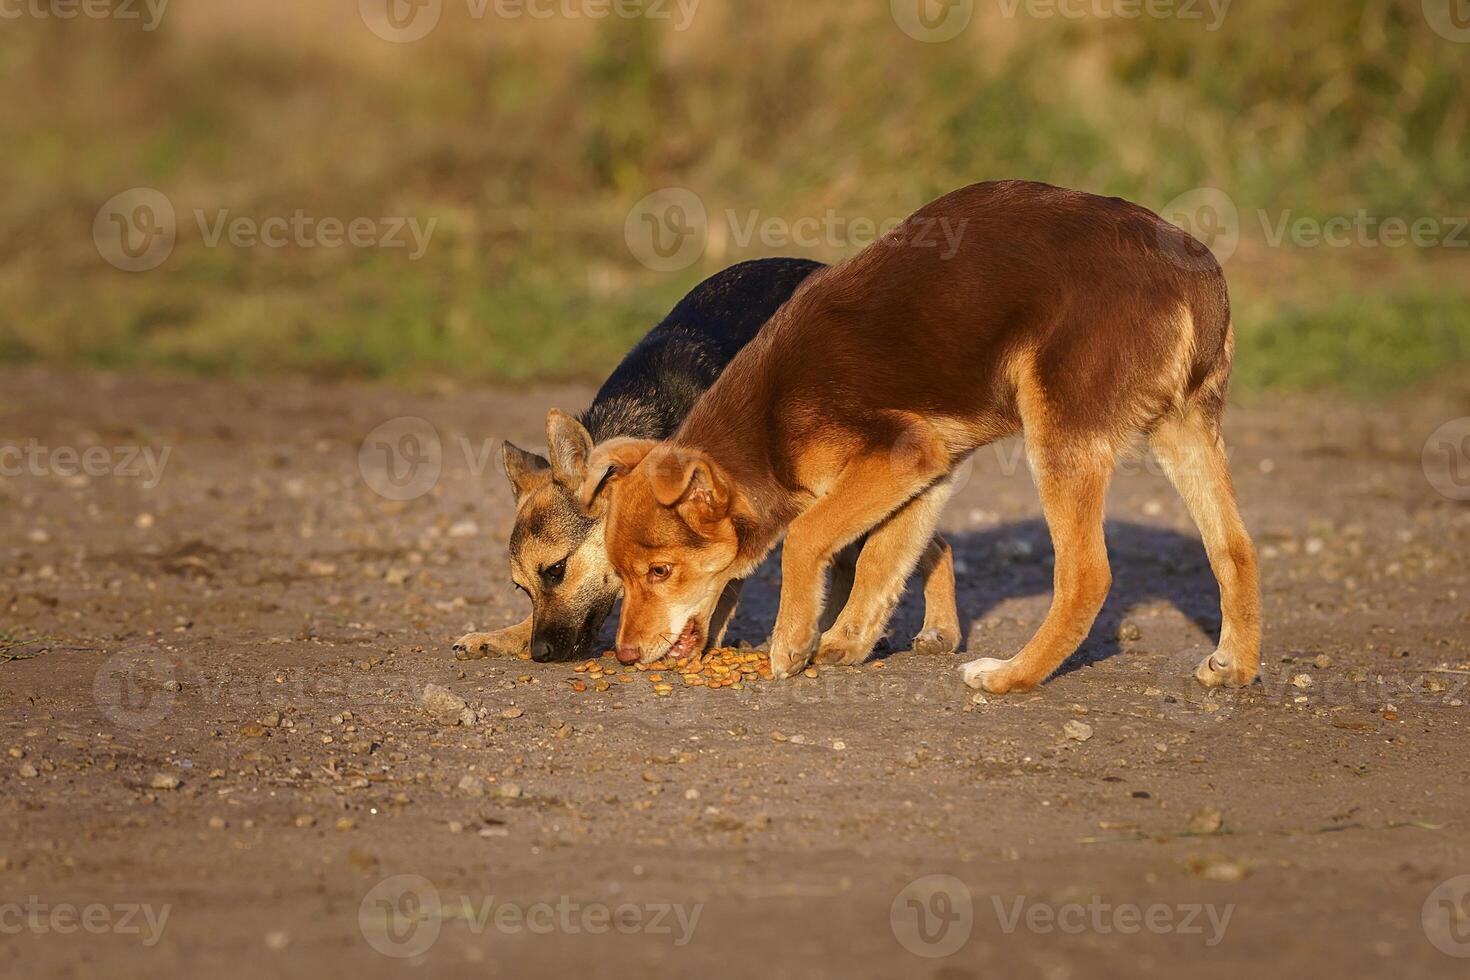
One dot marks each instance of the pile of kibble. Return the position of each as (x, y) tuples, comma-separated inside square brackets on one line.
[(714, 669)]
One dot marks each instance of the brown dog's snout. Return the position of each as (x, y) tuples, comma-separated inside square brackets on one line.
[(629, 655)]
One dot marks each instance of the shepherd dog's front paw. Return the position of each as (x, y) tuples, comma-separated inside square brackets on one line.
[(504, 644), (1222, 669), (935, 641)]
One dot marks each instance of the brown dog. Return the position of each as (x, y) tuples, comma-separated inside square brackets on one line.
[(1081, 321)]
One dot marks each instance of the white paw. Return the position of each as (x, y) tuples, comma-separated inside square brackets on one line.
[(975, 671)]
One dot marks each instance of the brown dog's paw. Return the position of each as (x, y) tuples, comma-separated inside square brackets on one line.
[(842, 646), (789, 659), (993, 676), (840, 653), (486, 646), (935, 641)]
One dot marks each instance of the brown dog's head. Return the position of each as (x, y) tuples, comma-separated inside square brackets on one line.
[(556, 549), (670, 537)]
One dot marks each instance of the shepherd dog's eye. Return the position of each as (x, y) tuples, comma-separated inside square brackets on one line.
[(553, 574), (657, 573)]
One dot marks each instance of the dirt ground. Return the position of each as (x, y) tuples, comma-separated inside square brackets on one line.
[(217, 760)]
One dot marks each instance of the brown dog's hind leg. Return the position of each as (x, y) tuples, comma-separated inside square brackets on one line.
[(1073, 480), (1192, 454), (888, 556), (941, 632), (509, 642)]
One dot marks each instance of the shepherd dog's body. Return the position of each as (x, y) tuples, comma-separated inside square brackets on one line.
[(1081, 321)]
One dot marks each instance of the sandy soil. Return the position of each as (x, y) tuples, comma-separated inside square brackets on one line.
[(218, 763)]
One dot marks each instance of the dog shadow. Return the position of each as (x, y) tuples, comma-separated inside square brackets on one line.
[(1015, 561)]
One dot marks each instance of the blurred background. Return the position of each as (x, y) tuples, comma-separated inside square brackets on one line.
[(509, 191)]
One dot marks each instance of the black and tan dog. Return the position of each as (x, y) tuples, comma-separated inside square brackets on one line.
[(1084, 322), (556, 550)]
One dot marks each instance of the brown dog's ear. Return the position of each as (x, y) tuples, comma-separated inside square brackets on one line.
[(526, 471), (611, 460), (691, 483), (570, 447)]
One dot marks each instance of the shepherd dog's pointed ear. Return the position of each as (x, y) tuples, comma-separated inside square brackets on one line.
[(526, 471), (570, 447), (608, 463), (691, 483)]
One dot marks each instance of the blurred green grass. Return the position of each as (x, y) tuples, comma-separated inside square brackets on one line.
[(529, 142)]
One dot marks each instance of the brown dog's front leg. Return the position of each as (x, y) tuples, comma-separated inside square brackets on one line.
[(870, 489), (513, 641), (891, 552), (794, 639)]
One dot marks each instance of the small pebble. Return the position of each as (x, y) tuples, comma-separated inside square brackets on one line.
[(442, 704), (1077, 731), (1206, 820)]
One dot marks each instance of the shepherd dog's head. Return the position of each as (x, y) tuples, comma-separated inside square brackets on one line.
[(557, 555)]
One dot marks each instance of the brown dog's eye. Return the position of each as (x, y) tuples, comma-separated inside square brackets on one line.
[(657, 573)]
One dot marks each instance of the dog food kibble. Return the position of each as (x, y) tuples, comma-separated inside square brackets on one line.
[(714, 669)]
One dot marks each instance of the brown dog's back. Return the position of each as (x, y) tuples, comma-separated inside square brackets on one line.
[(1115, 314)]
